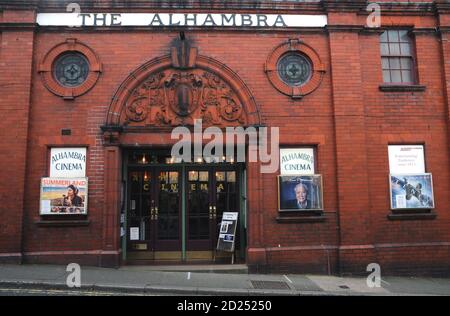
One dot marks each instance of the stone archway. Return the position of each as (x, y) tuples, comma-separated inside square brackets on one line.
[(178, 88), (169, 91)]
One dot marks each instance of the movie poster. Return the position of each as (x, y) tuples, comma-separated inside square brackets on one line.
[(298, 193), (63, 196), (411, 191)]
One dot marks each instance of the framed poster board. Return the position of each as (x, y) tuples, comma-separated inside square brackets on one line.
[(411, 191), (300, 193), (61, 196), (227, 232)]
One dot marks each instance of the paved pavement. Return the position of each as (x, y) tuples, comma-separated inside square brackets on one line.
[(210, 280)]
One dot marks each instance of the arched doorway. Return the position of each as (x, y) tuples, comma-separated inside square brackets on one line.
[(171, 208)]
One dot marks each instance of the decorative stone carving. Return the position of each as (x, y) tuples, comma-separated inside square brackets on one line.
[(177, 97), (179, 88)]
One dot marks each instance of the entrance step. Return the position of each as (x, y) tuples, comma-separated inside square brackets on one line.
[(204, 268)]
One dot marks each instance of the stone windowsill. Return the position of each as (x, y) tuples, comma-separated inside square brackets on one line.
[(401, 88), (419, 215), (301, 217), (63, 223)]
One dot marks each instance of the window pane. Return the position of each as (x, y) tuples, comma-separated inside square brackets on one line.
[(383, 37), (407, 76), (385, 63), (386, 76), (396, 76), (404, 37), (393, 36), (406, 49), (203, 176), (394, 63), (220, 176), (384, 49), (204, 228), (394, 49), (231, 176), (406, 63), (173, 176), (193, 175)]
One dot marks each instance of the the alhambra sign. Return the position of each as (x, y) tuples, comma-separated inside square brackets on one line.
[(181, 20)]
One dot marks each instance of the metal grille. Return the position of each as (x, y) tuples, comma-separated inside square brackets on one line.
[(294, 69), (71, 69), (270, 285)]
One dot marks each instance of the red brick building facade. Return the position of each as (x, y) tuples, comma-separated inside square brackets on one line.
[(352, 107)]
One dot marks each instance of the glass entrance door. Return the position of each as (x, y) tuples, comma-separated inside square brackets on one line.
[(167, 211), (154, 213), (199, 210), (140, 210), (210, 192), (174, 211)]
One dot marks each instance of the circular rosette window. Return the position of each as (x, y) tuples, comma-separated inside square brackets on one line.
[(70, 69), (294, 69)]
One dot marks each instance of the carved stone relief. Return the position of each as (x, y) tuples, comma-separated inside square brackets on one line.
[(177, 97)]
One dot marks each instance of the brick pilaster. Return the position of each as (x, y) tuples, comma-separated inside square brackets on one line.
[(111, 209), (351, 152), (444, 27), (16, 57)]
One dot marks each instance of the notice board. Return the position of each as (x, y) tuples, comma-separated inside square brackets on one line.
[(227, 232)]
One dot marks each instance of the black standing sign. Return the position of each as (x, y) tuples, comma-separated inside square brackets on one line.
[(227, 232)]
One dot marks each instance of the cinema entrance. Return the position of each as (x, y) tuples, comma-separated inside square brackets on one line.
[(173, 210), (170, 210)]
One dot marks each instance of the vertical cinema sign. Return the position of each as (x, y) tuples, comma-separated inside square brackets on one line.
[(181, 20)]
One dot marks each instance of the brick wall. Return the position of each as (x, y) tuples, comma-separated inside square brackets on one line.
[(348, 118)]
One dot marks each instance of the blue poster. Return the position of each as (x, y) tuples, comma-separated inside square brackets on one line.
[(298, 193), (410, 191)]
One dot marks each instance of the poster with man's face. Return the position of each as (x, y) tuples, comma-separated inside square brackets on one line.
[(63, 196), (298, 193)]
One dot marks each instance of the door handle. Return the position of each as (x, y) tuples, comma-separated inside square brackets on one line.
[(211, 212), (152, 210), (214, 211), (156, 212)]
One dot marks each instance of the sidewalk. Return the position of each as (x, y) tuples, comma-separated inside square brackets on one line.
[(151, 279)]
